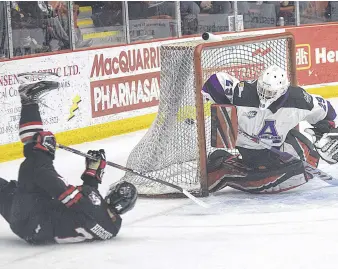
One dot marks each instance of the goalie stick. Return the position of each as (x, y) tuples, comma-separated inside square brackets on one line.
[(180, 189), (286, 157)]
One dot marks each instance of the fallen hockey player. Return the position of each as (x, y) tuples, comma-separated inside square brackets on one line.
[(40, 207), (270, 109)]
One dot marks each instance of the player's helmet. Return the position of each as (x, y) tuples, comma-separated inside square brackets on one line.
[(271, 84), (121, 196)]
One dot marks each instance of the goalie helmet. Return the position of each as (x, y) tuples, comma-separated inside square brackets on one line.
[(121, 196), (271, 84)]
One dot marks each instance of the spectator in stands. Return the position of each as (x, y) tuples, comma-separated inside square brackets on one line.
[(137, 10), (259, 14), (331, 11), (28, 28), (60, 27), (190, 7), (216, 7), (313, 11), (40, 27), (57, 26), (109, 14), (287, 11), (161, 9), (151, 10), (189, 13)]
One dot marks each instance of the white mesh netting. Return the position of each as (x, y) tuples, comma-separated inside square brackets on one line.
[(169, 150)]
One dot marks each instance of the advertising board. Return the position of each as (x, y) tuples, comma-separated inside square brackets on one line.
[(121, 84), (58, 107), (316, 54)]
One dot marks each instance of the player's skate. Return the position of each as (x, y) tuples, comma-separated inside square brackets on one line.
[(33, 85)]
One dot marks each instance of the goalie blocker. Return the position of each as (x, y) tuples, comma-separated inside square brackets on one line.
[(248, 172)]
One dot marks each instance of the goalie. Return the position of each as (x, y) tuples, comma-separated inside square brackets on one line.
[(270, 109), (40, 207)]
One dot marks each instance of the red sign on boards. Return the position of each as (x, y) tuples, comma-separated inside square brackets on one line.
[(113, 96), (131, 60), (303, 56), (316, 53)]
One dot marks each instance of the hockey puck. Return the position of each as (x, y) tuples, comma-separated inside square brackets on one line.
[(205, 36)]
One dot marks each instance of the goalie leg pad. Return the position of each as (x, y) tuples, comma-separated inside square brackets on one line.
[(236, 175), (274, 184), (220, 164)]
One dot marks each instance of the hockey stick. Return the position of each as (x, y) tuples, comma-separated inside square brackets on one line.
[(180, 189), (286, 157)]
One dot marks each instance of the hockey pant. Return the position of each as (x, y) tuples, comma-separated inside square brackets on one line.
[(30, 123), (37, 182), (44, 209), (7, 192), (268, 176)]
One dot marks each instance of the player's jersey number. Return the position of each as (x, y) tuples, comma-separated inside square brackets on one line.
[(321, 102)]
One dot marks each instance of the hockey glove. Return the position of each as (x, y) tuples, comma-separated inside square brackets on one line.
[(327, 146), (45, 141), (320, 128), (94, 168)]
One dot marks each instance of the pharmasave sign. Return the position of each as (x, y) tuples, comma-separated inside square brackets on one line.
[(125, 79), (113, 96), (316, 54)]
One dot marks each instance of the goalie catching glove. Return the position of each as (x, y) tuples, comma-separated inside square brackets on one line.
[(320, 128), (326, 140), (94, 167), (327, 146)]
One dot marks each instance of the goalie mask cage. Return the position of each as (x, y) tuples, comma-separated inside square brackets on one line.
[(176, 146)]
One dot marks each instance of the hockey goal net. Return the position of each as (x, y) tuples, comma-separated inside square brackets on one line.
[(176, 146)]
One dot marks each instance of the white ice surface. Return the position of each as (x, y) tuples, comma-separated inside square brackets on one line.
[(297, 229)]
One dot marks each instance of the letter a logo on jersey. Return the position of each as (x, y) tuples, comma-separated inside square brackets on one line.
[(269, 132)]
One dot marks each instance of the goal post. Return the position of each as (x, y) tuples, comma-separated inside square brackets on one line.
[(176, 146)]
